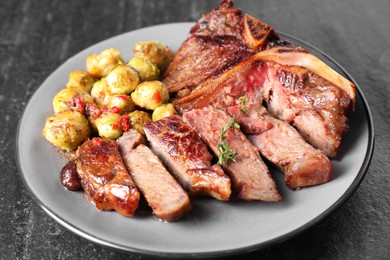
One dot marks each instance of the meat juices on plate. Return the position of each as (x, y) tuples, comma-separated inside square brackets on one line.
[(187, 157)]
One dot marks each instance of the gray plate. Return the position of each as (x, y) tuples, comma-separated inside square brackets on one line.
[(214, 228)]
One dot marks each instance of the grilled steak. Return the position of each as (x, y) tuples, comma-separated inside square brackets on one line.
[(187, 157), (104, 177), (317, 105), (220, 39), (250, 176), (164, 195), (301, 163)]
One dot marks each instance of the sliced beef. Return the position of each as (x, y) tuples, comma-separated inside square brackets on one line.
[(302, 164), (129, 141), (218, 41), (317, 107), (187, 157), (164, 195), (104, 177), (250, 176)]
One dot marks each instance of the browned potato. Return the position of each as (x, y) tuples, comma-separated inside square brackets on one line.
[(150, 94), (155, 52), (66, 130), (122, 80), (81, 79), (100, 65)]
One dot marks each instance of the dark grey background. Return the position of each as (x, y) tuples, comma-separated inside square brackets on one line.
[(38, 36)]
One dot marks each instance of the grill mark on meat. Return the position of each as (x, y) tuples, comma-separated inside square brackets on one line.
[(163, 194), (105, 178), (250, 176), (187, 157)]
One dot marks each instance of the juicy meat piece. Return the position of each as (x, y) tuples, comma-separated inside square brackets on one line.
[(130, 140), (316, 106), (253, 121), (104, 177), (220, 39), (187, 157), (302, 164), (164, 195), (250, 176)]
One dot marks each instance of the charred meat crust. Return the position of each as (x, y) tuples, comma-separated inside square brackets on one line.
[(219, 40), (187, 157), (104, 177)]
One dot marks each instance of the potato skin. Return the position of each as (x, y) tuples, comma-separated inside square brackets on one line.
[(122, 79), (162, 111), (69, 98), (82, 79), (138, 119), (100, 65), (155, 52), (108, 125), (150, 94), (147, 71), (66, 130)]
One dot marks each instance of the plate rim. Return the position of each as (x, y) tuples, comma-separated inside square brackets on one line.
[(218, 253)]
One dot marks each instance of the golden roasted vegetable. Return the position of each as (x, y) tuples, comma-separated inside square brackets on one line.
[(66, 130), (71, 98), (100, 65), (155, 52), (162, 111), (122, 80), (108, 125), (150, 94), (147, 71), (81, 79), (138, 119), (120, 103), (101, 93)]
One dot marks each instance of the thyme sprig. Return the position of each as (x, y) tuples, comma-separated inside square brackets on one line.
[(227, 153)]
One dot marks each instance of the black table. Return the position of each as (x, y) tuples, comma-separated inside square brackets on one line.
[(38, 36)]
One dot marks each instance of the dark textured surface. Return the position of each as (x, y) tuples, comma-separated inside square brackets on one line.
[(37, 36)]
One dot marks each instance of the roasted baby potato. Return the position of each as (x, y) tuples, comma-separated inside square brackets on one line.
[(108, 125), (66, 130), (71, 98), (155, 52), (81, 79), (138, 119), (122, 80), (121, 103), (147, 71), (100, 65), (150, 94), (100, 93), (162, 111)]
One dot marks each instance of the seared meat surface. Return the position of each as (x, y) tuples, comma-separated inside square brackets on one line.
[(187, 157), (164, 195), (129, 141), (104, 177), (317, 107), (220, 39), (250, 176), (302, 164)]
